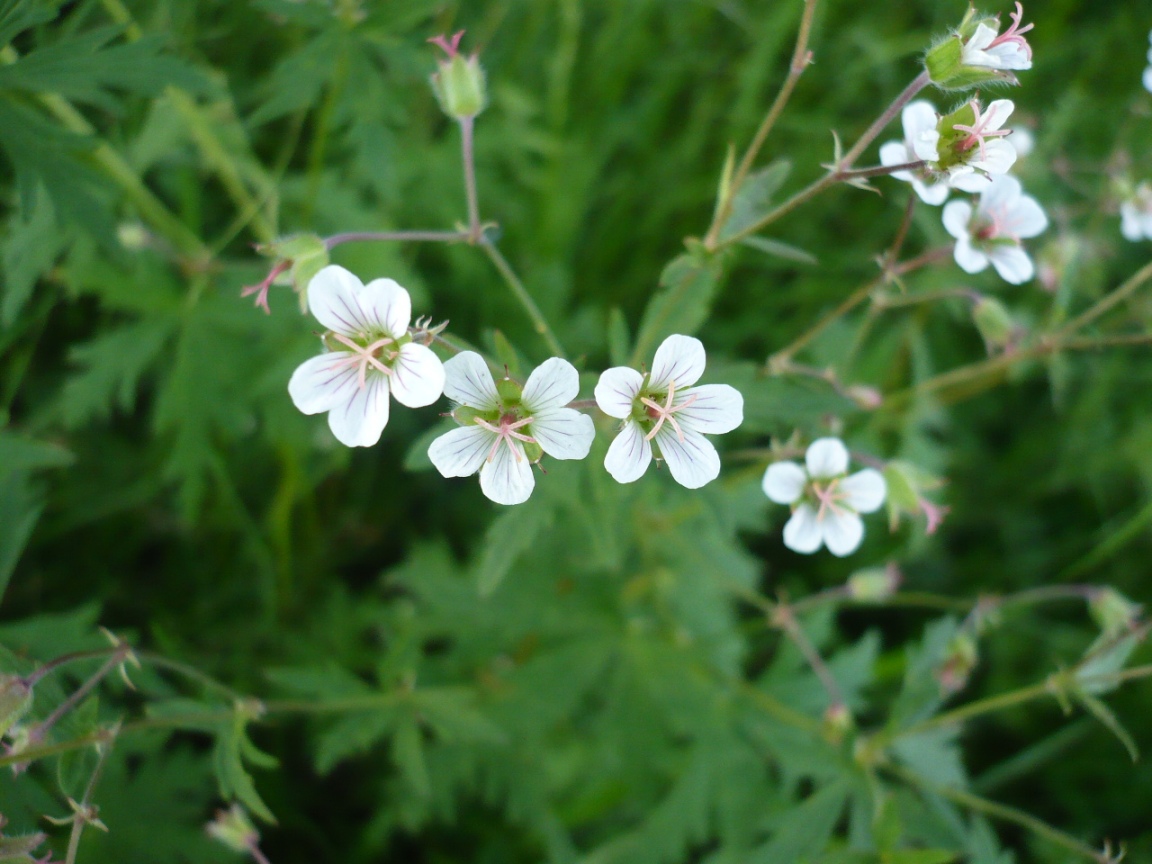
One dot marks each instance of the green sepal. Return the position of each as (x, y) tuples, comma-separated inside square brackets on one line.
[(15, 700), (534, 451), (994, 322), (509, 392), (460, 87)]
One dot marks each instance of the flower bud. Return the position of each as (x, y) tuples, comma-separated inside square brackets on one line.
[(874, 584), (995, 324), (946, 68), (837, 723), (978, 53), (15, 700), (959, 661), (233, 828), (459, 82), (303, 255), (1114, 612)]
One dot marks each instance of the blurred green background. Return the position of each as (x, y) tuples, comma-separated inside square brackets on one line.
[(156, 479)]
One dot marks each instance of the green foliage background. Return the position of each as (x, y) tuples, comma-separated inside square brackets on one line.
[(613, 698)]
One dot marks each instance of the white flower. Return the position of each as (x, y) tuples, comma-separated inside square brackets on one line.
[(993, 232), (917, 118), (824, 502), (1136, 214), (1006, 51), (1148, 71), (505, 428), (664, 408), (969, 160), (369, 353)]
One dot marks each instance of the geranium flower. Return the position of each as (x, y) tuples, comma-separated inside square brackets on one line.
[(1005, 51), (664, 410), (825, 502), (992, 233), (968, 147), (505, 428), (1136, 214), (369, 353)]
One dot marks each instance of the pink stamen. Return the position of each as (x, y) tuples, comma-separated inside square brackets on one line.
[(976, 132), (660, 413), (451, 47), (1014, 33), (505, 433), (261, 289), (365, 356), (827, 496)]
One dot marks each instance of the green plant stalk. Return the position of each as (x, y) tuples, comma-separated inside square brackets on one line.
[(801, 57), (998, 811), (80, 819), (468, 155), (539, 322), (1125, 290)]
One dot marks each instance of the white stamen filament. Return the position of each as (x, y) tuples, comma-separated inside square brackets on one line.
[(665, 412), (365, 356), (505, 432)]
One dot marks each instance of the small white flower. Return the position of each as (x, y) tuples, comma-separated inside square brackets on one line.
[(992, 232), (1136, 214), (824, 502), (664, 408), (1007, 51), (369, 353), (917, 118), (505, 428), (970, 160)]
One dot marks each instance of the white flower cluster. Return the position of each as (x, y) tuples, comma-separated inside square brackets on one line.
[(969, 150), (505, 428)]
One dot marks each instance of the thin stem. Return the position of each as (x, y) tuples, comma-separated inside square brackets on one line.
[(584, 404), (258, 856), (778, 361), (1104, 304), (836, 174), (81, 818), (877, 171), (520, 292), (396, 236), (467, 128), (51, 666), (801, 57), (782, 712), (191, 672), (784, 619), (998, 811), (77, 696)]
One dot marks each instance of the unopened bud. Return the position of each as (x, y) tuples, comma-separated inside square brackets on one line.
[(959, 661), (837, 723), (459, 83), (15, 700), (874, 584), (995, 324), (233, 828), (868, 398), (1114, 612), (945, 65)]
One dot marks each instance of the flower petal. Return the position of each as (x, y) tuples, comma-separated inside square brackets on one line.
[(998, 157), (956, 216), (629, 454), (826, 457), (784, 482), (1001, 195), (417, 376), (1026, 218), (916, 118), (1012, 263), (895, 153), (552, 384), (387, 306), (933, 194), (997, 114), (508, 479), (1131, 226), (970, 259), (865, 490), (926, 145), (467, 381), (323, 381), (360, 421), (564, 433), (616, 390), (680, 359), (967, 179), (803, 533), (333, 301), (715, 408), (1148, 76), (843, 532), (693, 461), (461, 452)]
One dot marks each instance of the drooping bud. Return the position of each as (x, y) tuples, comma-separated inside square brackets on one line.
[(233, 828), (837, 723), (959, 660), (15, 700), (978, 53), (1114, 612), (995, 324), (302, 256), (459, 82), (874, 584)]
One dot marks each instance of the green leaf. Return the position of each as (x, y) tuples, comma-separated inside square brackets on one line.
[(1104, 657), (408, 754), (16, 16), (755, 197), (618, 337), (512, 534), (806, 829), (32, 246), (780, 249), (20, 507), (232, 746), (352, 735), (1104, 714), (687, 288), (19, 453)]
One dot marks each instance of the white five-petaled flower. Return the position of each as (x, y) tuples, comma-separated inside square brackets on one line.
[(505, 428), (992, 232), (1148, 71), (825, 503), (1004, 51), (369, 354), (917, 118), (663, 409), (1136, 213), (973, 152)]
